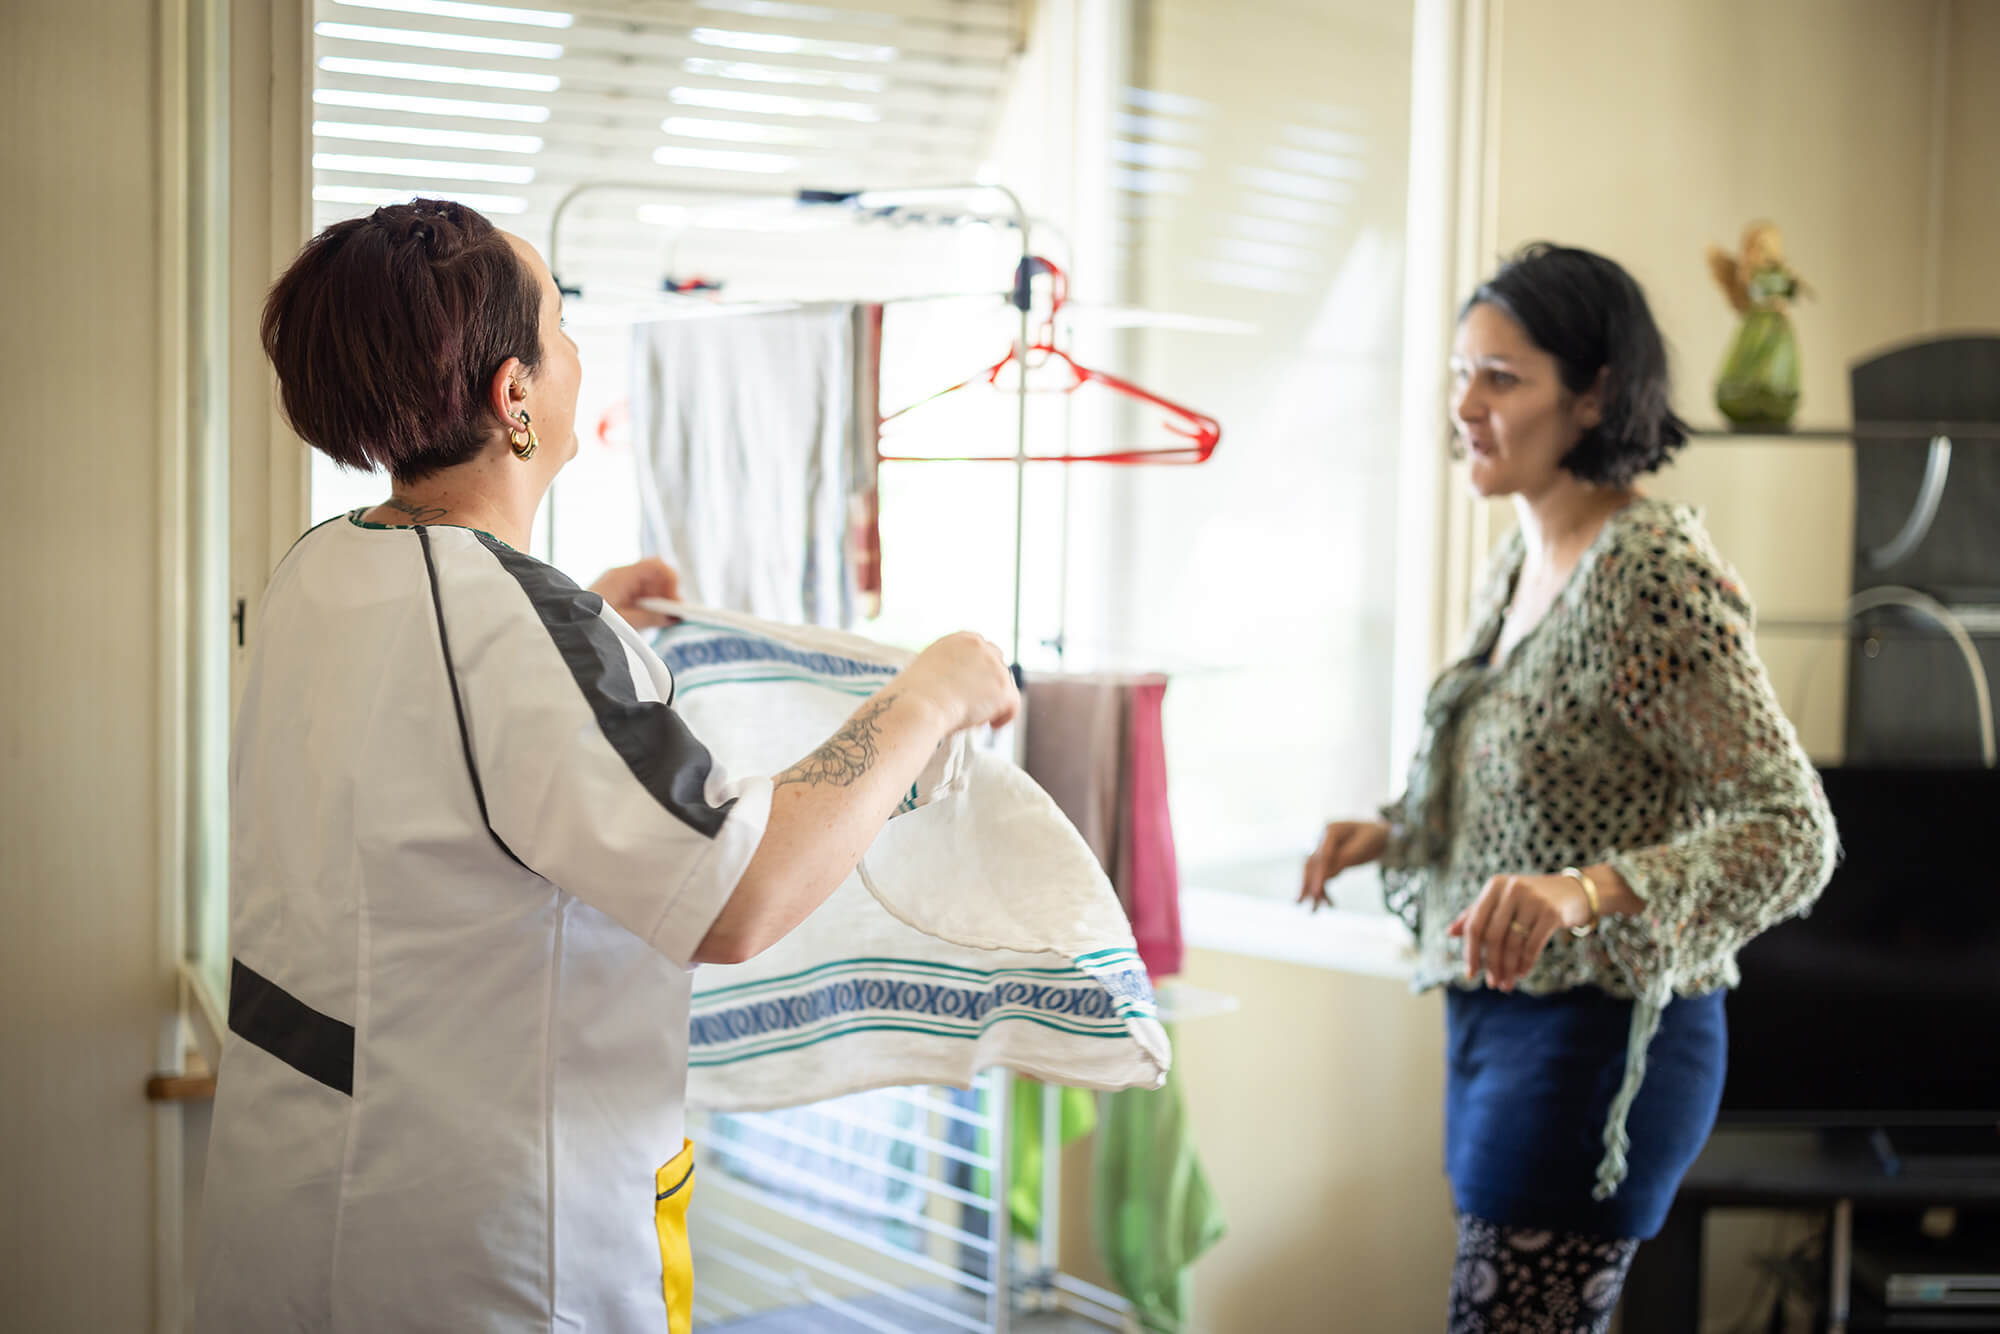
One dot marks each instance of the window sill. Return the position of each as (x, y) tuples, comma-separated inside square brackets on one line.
[(1373, 944)]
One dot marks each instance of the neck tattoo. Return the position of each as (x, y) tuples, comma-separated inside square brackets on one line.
[(418, 513)]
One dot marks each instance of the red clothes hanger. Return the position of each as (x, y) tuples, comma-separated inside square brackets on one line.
[(1200, 431)]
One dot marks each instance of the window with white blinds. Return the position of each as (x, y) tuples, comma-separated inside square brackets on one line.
[(507, 107)]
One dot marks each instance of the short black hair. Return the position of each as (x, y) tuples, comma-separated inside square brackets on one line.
[(1588, 313)]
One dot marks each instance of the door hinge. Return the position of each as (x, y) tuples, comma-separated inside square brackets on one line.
[(236, 619)]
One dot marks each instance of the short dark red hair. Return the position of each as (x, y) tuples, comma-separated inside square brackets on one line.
[(387, 330)]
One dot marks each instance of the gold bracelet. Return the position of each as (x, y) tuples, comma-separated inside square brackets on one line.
[(1590, 893)]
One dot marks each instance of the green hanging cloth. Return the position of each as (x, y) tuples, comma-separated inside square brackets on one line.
[(1154, 1213), (1078, 1117)]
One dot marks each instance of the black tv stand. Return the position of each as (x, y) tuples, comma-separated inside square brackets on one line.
[(1930, 1152), (1839, 1172)]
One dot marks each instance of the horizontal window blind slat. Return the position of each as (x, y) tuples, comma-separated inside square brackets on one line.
[(670, 61), (913, 40), (583, 96), (765, 97), (984, 16), (365, 130)]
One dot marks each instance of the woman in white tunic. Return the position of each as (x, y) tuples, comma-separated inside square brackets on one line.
[(475, 851)]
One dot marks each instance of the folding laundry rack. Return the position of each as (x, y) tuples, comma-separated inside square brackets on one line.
[(788, 1195), (876, 202)]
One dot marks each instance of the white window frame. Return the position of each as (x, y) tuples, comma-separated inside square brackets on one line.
[(1442, 533), (232, 480), (231, 120)]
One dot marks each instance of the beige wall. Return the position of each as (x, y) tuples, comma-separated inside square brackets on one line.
[(94, 542), (1969, 256), (1649, 133), (1874, 144), (1317, 1110), (81, 986)]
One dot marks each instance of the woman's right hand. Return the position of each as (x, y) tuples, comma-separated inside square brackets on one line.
[(1346, 843), (966, 677), (827, 808)]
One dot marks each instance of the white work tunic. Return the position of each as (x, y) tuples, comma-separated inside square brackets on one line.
[(473, 849)]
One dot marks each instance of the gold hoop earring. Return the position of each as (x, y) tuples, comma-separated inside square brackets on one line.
[(523, 441)]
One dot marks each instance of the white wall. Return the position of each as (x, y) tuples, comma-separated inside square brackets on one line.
[(81, 987)]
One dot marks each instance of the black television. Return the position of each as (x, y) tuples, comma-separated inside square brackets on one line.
[(1881, 1008)]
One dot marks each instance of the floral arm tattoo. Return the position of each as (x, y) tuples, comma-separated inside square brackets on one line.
[(847, 754)]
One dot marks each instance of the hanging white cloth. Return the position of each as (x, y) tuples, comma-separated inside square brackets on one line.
[(753, 436), (978, 930)]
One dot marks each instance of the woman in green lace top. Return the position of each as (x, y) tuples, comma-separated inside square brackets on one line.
[(1606, 804)]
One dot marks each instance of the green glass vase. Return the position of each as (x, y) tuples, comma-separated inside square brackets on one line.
[(1758, 388)]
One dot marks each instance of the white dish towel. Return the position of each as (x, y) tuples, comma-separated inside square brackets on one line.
[(979, 929)]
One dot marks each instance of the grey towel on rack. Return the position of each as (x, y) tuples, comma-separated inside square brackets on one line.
[(1094, 744), (754, 439), (1074, 733)]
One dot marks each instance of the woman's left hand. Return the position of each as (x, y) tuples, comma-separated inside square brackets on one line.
[(624, 586), (1511, 922)]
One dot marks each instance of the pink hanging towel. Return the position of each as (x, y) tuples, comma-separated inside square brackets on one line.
[(1148, 877)]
